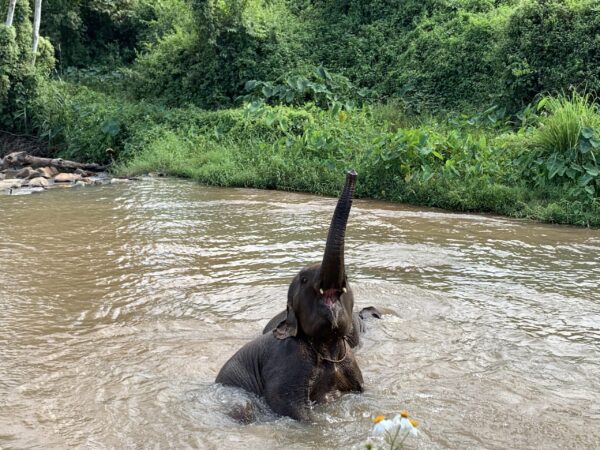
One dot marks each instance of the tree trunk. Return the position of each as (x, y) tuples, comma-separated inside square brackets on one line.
[(37, 17), (11, 12), (24, 159)]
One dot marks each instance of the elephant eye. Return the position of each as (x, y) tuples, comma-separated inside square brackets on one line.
[(303, 280)]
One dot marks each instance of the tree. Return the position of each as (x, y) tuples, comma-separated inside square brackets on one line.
[(11, 12), (20, 81), (37, 17)]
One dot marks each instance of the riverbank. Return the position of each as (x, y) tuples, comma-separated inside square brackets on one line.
[(479, 163)]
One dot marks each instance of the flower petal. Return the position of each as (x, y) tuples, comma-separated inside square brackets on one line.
[(383, 426), (413, 431), (405, 424)]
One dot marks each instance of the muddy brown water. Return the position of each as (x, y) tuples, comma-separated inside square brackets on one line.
[(119, 304)]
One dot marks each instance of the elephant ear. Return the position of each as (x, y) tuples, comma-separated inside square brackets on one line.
[(288, 327)]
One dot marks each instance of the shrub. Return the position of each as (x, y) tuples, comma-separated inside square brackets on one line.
[(565, 148), (9, 53), (228, 44), (100, 32), (451, 61), (321, 88), (551, 45)]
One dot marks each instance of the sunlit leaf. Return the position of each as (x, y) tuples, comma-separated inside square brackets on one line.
[(271, 118), (541, 104)]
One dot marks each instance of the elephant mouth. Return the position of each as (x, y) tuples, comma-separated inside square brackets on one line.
[(330, 298)]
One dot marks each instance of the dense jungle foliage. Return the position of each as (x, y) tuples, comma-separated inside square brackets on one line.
[(479, 105)]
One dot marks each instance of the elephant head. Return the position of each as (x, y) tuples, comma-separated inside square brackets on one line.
[(320, 301)]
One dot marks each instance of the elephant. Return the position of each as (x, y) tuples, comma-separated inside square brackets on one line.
[(307, 358), (358, 323)]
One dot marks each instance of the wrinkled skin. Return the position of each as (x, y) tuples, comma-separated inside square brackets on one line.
[(306, 358)]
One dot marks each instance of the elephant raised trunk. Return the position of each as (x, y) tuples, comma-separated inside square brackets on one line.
[(332, 268)]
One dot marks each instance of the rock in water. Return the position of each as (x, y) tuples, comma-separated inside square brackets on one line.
[(38, 182), (26, 172), (84, 173), (67, 177), (9, 184), (119, 180), (48, 172), (34, 174)]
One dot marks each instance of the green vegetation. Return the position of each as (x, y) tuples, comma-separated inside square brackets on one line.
[(462, 104), (19, 81)]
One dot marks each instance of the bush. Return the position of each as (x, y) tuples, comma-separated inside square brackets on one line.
[(209, 61), (431, 55), (451, 61), (9, 53), (551, 45), (99, 33), (565, 148)]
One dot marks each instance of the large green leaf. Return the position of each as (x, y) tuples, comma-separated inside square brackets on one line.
[(112, 127), (591, 169), (323, 74), (584, 180), (268, 91), (251, 85), (587, 132)]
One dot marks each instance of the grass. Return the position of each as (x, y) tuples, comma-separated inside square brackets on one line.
[(454, 163), (561, 129)]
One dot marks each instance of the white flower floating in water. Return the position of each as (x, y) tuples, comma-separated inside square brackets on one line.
[(396, 430)]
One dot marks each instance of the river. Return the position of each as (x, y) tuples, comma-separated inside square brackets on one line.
[(120, 303)]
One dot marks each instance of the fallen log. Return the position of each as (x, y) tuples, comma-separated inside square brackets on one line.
[(25, 159)]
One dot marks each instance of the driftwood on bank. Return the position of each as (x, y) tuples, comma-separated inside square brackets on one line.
[(20, 159)]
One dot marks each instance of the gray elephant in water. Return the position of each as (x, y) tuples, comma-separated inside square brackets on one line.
[(305, 356)]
